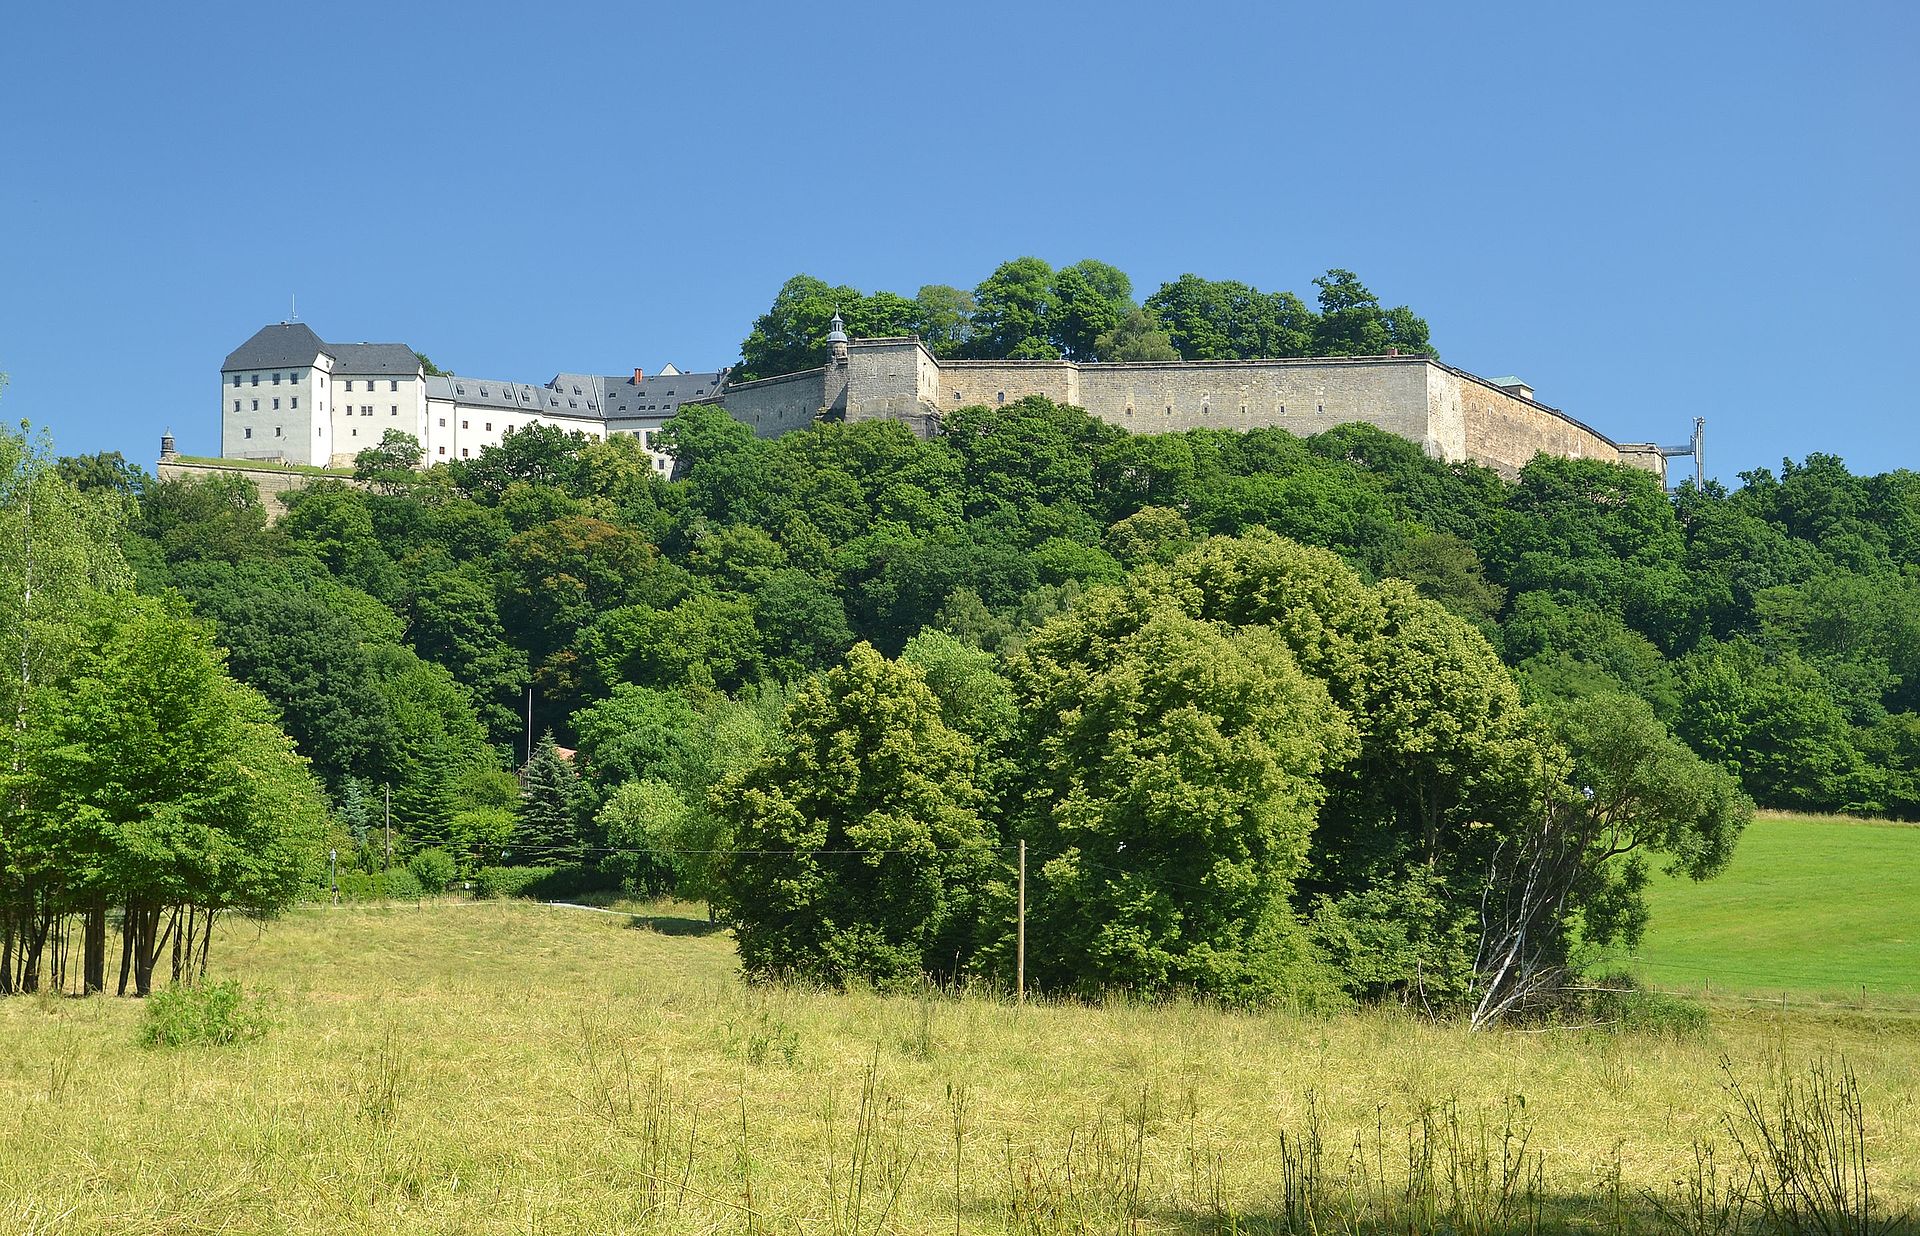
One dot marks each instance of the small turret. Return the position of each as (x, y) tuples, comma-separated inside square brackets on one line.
[(167, 448), (837, 337)]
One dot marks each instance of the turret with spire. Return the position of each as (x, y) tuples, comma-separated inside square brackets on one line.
[(837, 338)]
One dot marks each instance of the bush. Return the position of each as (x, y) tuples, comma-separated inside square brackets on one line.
[(217, 1013), (434, 869), (1616, 1001), (397, 885), (539, 883)]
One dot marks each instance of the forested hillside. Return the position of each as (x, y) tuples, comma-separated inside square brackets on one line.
[(1245, 766)]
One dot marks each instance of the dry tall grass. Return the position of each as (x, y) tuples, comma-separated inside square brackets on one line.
[(516, 1068)]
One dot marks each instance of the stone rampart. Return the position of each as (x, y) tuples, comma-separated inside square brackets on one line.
[(268, 480), (773, 406), (1452, 414)]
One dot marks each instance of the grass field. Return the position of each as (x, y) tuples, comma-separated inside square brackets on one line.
[(507, 1067), (1815, 908)]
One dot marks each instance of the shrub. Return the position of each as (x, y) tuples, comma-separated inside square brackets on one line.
[(399, 885), (434, 869), (539, 883), (218, 1013)]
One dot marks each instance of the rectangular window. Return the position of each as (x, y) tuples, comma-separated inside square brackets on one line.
[(393, 384), (443, 450), (463, 424), (276, 379), (296, 401), (256, 378), (276, 405), (236, 379), (443, 422), (356, 433), (256, 405), (463, 452), (489, 426), (276, 431), (236, 405), (393, 409), (249, 431)]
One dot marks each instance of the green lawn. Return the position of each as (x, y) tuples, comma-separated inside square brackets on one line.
[(1809, 907)]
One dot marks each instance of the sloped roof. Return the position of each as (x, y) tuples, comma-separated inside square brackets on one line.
[(281, 344), (394, 359)]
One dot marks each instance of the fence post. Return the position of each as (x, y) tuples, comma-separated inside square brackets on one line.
[(1020, 965)]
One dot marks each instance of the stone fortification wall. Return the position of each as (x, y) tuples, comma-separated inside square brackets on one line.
[(1453, 415), (962, 384), (893, 379), (267, 480), (773, 406), (1504, 430), (1301, 397)]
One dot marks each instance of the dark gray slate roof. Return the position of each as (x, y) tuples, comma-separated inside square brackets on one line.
[(386, 359), (582, 394), (488, 393), (655, 395), (282, 344)]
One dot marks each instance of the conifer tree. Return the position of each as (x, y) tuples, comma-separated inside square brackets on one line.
[(547, 829)]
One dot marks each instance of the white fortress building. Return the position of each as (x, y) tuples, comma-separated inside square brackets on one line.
[(286, 396)]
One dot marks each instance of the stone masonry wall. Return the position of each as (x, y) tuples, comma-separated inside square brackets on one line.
[(1504, 431), (1302, 398), (1451, 414), (267, 480), (773, 406)]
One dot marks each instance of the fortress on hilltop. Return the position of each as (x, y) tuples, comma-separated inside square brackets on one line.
[(1453, 414), (287, 397)]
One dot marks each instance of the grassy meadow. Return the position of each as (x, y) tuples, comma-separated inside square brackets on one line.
[(1819, 908), (507, 1067)]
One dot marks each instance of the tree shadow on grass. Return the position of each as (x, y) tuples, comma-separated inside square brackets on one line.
[(673, 924)]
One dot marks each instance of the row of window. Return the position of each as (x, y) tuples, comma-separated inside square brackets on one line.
[(276, 404), (249, 431), (393, 384)]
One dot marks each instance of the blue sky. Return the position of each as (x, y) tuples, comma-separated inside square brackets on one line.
[(1650, 212)]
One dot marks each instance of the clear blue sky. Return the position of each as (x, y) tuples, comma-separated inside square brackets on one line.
[(1650, 212)]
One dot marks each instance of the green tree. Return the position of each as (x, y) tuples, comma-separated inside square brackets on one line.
[(157, 783), (1175, 783), (1014, 312), (1090, 300), (1209, 319), (1446, 569), (1768, 718), (391, 465), (648, 827), (791, 335), (1352, 323), (858, 847), (547, 825), (945, 319), (1136, 335)]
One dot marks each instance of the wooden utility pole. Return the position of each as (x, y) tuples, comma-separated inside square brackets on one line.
[(1020, 979)]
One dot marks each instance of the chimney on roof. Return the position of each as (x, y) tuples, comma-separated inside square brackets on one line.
[(639, 376)]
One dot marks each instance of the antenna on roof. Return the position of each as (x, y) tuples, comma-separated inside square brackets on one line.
[(293, 307)]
